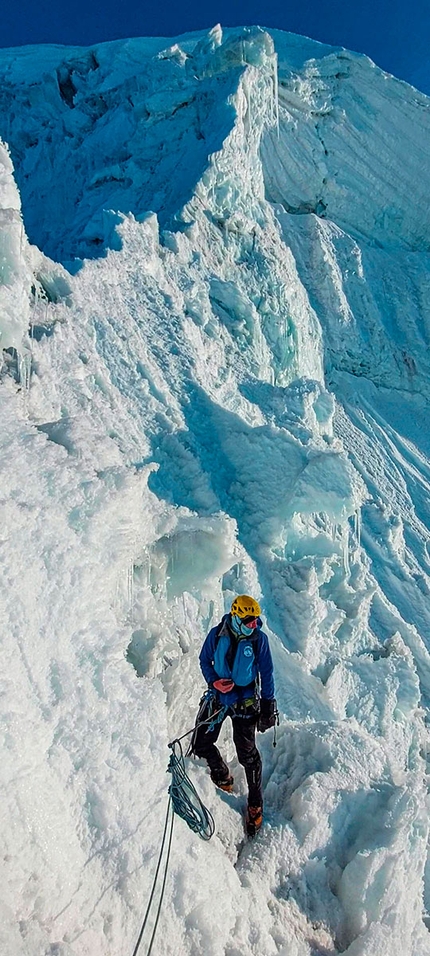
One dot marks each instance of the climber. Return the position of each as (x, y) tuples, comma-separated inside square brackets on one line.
[(234, 659)]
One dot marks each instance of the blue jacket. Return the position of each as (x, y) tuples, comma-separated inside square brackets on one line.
[(245, 666)]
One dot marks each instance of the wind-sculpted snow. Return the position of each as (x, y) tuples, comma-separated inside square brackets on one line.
[(229, 395), (351, 147)]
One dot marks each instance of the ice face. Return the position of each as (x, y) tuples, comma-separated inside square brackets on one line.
[(15, 276), (228, 395)]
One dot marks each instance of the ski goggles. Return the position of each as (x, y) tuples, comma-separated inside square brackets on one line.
[(243, 626), (250, 622)]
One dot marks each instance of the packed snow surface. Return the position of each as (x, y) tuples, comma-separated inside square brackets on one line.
[(214, 311)]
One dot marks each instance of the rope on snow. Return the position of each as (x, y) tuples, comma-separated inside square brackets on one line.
[(163, 886), (185, 799)]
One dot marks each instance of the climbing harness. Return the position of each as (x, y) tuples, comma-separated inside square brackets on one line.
[(207, 702), (163, 886)]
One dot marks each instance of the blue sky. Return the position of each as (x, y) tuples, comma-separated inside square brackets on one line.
[(394, 33)]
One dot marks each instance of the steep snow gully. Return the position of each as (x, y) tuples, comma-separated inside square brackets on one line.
[(215, 379)]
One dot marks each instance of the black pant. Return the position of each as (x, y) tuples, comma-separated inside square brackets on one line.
[(203, 745)]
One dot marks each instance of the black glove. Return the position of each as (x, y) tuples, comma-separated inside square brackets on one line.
[(268, 715)]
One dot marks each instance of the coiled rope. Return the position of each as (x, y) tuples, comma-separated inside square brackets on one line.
[(185, 801)]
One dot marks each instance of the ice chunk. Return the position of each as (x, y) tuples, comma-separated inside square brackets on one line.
[(15, 276)]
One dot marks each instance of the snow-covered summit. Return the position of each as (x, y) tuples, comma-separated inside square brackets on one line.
[(230, 393), (131, 125)]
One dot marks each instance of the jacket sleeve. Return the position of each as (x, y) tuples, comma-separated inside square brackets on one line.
[(265, 666), (206, 657)]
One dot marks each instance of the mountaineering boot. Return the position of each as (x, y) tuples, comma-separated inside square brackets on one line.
[(253, 820), (223, 782)]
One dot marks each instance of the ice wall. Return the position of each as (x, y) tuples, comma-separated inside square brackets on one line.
[(15, 276)]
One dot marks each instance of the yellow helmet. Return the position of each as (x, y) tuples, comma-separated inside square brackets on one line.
[(244, 605)]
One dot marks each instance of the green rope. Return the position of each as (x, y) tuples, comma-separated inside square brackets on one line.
[(163, 887), (148, 908), (185, 799)]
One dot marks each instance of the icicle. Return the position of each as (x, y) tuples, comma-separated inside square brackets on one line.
[(34, 310), (247, 114), (130, 578), (24, 369), (357, 526), (345, 549), (275, 106), (146, 571)]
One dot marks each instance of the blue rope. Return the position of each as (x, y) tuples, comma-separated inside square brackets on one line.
[(185, 799), (209, 698), (148, 908), (163, 886), (217, 717)]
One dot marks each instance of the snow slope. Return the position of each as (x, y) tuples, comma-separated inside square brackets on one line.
[(216, 380)]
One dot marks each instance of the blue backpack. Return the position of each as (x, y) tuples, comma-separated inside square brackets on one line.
[(243, 668)]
